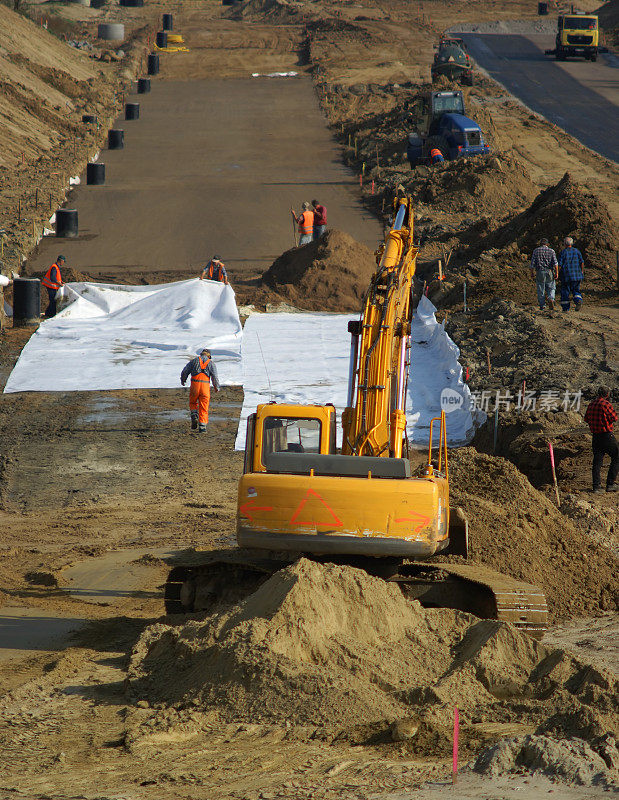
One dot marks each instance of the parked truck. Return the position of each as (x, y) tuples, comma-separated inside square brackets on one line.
[(444, 126), (452, 61), (577, 35)]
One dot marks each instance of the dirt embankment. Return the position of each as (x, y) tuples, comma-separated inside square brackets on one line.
[(45, 88), (516, 529), (333, 652)]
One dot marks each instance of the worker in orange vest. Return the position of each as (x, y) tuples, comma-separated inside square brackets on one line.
[(436, 156), (52, 282), (215, 270), (305, 221), (202, 371)]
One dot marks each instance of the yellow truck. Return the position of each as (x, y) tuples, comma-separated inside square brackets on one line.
[(577, 35)]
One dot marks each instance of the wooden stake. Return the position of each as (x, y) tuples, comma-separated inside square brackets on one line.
[(377, 164), (454, 773), (554, 473), (36, 198), (19, 210), (440, 270), (488, 360)]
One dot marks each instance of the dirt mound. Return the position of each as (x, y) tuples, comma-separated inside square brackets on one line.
[(491, 185), (566, 209), (573, 761), (609, 19), (331, 646), (515, 529), (523, 438), (331, 274), (283, 12)]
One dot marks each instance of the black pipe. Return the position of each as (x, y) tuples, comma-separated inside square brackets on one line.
[(115, 139), (66, 223), (143, 85), (26, 301), (153, 64), (166, 22), (95, 174), (132, 111), (162, 39)]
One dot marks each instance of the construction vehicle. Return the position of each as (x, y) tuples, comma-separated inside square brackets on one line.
[(452, 61), (444, 126), (362, 506), (577, 35)]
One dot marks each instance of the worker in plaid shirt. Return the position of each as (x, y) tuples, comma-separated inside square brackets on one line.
[(544, 271), (601, 416), (571, 273)]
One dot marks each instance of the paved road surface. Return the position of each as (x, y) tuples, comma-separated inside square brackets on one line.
[(211, 167), (579, 96)]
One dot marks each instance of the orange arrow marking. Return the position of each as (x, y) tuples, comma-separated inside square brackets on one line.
[(420, 519), (247, 507), (333, 521)]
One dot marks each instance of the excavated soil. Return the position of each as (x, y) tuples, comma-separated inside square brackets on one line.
[(566, 209), (331, 274), (516, 529), (332, 647)]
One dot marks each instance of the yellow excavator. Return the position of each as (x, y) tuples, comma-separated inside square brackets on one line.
[(360, 505)]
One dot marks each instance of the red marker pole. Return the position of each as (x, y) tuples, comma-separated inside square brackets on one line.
[(455, 753), (372, 187), (361, 180), (467, 374)]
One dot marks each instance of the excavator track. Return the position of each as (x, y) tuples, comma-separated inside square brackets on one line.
[(227, 577)]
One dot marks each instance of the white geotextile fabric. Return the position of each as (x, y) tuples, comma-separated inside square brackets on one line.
[(303, 358), (130, 337)]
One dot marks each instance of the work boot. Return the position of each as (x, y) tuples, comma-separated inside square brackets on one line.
[(612, 488), (202, 428), (551, 305), (194, 420), (598, 490), (577, 305)]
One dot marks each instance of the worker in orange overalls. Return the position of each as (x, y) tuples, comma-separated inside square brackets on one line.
[(203, 371), (52, 282), (305, 221), (436, 156), (215, 270)]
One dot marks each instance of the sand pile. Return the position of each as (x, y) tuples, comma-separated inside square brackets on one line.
[(566, 209), (492, 185), (572, 761), (515, 529), (331, 274), (333, 647)]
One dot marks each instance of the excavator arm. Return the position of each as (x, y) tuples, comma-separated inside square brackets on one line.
[(374, 421)]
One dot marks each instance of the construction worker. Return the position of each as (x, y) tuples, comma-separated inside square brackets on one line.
[(436, 156), (601, 416), (320, 219), (571, 273), (545, 271), (203, 371), (4, 281), (305, 221), (52, 282), (215, 270)]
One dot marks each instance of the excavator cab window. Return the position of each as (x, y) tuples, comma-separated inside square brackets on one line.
[(290, 435)]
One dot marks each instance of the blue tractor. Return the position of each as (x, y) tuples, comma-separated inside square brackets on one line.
[(443, 126)]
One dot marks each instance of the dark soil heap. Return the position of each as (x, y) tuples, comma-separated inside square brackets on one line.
[(331, 274), (493, 185), (566, 209), (333, 647), (515, 529)]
